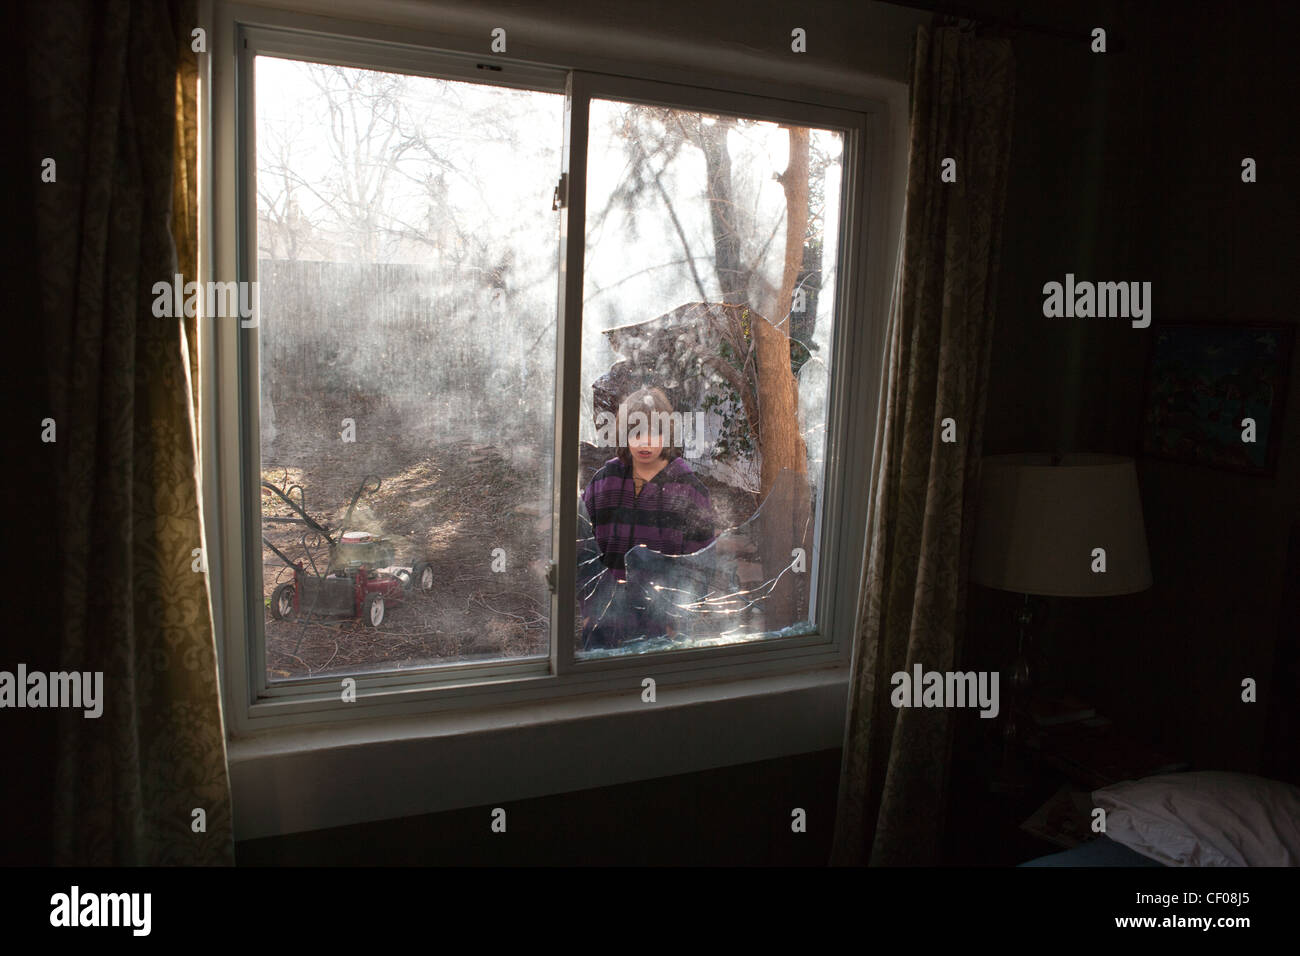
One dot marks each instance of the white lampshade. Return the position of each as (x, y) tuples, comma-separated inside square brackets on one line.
[(1039, 524)]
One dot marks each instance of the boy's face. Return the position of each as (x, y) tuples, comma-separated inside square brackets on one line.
[(645, 438), (645, 449)]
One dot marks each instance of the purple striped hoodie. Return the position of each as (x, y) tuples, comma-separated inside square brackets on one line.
[(672, 515)]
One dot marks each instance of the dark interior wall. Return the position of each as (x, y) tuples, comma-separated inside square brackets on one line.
[(1127, 167), (856, 36), (733, 816)]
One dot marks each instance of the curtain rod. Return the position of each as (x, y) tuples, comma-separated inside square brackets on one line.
[(1014, 22)]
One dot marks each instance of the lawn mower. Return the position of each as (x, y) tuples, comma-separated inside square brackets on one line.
[(359, 579)]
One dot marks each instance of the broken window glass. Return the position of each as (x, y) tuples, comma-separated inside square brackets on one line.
[(699, 291)]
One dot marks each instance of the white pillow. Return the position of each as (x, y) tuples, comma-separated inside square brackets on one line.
[(1206, 818)]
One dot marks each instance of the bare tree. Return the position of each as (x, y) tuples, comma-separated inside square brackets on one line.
[(366, 142), (283, 230)]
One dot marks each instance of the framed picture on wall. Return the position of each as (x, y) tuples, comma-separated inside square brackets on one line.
[(1216, 394)]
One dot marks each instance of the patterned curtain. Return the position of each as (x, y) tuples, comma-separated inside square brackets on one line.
[(113, 101), (893, 782)]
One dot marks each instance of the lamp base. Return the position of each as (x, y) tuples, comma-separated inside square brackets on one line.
[(1011, 775)]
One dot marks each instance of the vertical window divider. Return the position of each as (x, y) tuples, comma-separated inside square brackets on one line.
[(248, 359), (568, 372)]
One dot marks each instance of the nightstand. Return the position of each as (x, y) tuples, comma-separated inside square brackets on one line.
[(985, 811)]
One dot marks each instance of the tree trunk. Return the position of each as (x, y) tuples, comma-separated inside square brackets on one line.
[(782, 446), (778, 396), (732, 275)]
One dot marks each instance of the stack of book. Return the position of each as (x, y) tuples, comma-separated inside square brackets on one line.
[(1087, 748)]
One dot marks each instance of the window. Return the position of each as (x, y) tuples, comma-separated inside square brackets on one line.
[(408, 257), (698, 286), (463, 271)]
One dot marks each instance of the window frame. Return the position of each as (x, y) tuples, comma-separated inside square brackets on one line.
[(229, 415)]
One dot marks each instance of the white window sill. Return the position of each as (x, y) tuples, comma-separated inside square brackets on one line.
[(288, 781)]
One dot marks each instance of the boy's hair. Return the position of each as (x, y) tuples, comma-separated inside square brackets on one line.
[(649, 401)]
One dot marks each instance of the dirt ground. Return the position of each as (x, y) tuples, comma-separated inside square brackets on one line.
[(450, 503)]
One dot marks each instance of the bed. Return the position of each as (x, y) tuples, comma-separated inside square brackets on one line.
[(1200, 818)]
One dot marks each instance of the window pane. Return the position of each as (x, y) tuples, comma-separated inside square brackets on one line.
[(710, 277), (408, 264)]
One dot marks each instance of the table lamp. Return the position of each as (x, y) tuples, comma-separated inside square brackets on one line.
[(1057, 525)]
